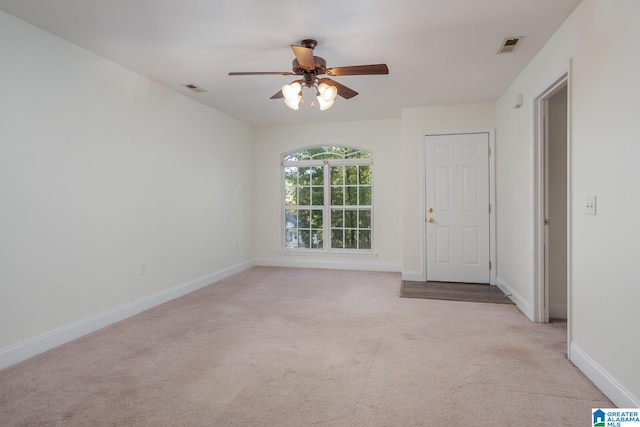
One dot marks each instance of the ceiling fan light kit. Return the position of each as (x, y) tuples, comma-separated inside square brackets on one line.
[(309, 67)]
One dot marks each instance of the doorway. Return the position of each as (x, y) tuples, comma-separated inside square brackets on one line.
[(556, 204), (551, 194), (458, 207)]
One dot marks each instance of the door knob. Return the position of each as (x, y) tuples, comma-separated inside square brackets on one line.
[(430, 220)]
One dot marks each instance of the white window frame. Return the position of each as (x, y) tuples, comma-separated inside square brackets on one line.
[(326, 207)]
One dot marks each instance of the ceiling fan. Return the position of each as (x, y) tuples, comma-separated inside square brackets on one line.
[(309, 67)]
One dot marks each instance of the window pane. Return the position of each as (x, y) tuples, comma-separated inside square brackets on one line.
[(365, 239), (337, 196), (290, 195), (350, 239), (317, 175), (304, 196), (364, 220), (317, 196), (337, 218), (304, 237), (304, 177), (337, 239), (316, 219), (304, 220), (290, 218), (291, 175), (351, 175), (365, 196), (365, 175), (351, 195), (337, 175), (291, 239), (350, 219), (316, 239)]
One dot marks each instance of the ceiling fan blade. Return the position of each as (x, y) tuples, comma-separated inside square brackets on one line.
[(343, 91), (304, 55), (277, 95), (261, 73), (358, 70)]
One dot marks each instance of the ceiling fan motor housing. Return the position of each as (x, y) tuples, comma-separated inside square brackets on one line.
[(320, 66)]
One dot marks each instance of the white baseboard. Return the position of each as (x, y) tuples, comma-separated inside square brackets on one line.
[(523, 305), (326, 263), (413, 276), (557, 311), (601, 379), (34, 346)]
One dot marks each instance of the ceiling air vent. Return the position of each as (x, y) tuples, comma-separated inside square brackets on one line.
[(510, 44), (195, 88)]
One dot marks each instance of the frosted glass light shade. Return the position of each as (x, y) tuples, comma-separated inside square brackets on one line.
[(324, 105), (326, 95), (293, 104), (330, 93), (327, 92), (292, 95), (291, 91)]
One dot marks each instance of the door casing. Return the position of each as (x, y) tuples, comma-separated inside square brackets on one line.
[(541, 291), (540, 283)]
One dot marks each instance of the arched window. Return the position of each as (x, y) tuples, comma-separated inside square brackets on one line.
[(328, 199)]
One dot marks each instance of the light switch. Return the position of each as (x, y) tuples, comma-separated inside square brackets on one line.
[(590, 205)]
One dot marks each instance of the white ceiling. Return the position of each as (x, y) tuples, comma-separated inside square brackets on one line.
[(438, 51)]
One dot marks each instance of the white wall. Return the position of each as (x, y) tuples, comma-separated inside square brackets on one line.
[(102, 170), (600, 38), (380, 136), (416, 123)]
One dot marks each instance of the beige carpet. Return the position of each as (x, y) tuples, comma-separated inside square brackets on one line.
[(299, 347)]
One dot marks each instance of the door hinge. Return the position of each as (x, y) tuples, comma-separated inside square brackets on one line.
[(489, 149), (489, 207), (489, 265)]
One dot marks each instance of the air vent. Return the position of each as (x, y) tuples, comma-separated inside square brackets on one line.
[(195, 88), (510, 44)]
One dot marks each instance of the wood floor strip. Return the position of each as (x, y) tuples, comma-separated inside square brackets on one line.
[(470, 292)]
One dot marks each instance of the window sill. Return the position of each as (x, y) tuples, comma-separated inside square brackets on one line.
[(338, 254)]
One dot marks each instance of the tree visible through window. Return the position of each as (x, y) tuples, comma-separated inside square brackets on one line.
[(328, 199)]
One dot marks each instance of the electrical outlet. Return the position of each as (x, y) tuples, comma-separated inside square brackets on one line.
[(590, 205)]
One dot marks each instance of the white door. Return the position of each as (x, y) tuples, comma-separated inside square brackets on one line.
[(457, 203)]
